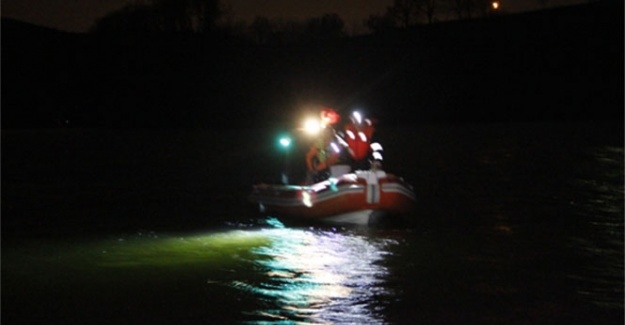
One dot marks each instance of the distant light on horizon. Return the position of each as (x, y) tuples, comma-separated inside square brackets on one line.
[(495, 5)]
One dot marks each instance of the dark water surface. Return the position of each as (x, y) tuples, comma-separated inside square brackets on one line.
[(517, 224)]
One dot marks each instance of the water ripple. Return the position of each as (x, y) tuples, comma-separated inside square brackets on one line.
[(318, 277)]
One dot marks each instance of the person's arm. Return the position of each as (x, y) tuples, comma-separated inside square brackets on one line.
[(312, 152)]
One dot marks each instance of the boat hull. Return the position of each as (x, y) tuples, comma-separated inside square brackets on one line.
[(357, 198)]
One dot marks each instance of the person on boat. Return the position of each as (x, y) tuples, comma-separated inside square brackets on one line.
[(325, 151), (365, 152)]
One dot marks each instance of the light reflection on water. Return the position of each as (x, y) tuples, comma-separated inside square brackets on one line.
[(264, 275), (599, 278), (317, 276), (520, 237)]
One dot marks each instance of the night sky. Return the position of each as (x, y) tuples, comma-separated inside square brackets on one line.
[(80, 15)]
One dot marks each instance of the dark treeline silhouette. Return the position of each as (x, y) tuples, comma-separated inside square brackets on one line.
[(155, 16), (558, 64), (263, 30), (209, 16)]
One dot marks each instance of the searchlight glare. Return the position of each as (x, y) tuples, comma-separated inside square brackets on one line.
[(312, 126)]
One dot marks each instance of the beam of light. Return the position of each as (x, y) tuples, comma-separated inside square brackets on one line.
[(295, 275), (132, 258), (200, 249)]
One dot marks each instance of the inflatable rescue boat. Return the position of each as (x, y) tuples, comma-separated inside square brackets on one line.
[(360, 197)]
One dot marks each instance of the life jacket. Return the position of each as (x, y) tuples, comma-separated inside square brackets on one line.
[(359, 139), (321, 156)]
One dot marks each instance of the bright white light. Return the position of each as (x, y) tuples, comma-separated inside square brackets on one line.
[(285, 142), (376, 146), (320, 277), (319, 187), (350, 134), (312, 126), (377, 156), (495, 5), (362, 136), (335, 147), (351, 177), (341, 141), (357, 117), (306, 199)]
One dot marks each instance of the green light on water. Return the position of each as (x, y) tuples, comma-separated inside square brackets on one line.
[(181, 251), (301, 274)]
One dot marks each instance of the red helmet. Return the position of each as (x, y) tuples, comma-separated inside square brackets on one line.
[(329, 116)]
